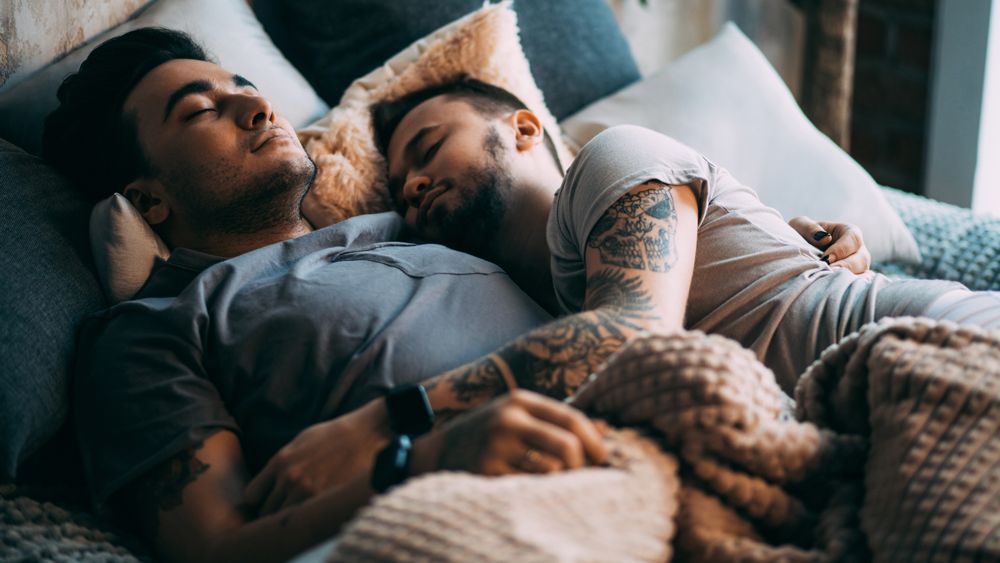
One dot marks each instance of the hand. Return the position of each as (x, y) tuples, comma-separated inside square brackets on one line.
[(842, 242), (320, 457), (521, 432)]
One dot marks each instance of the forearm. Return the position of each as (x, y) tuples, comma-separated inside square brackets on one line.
[(291, 531), (553, 360)]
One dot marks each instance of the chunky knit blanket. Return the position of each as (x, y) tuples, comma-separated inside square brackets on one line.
[(893, 452)]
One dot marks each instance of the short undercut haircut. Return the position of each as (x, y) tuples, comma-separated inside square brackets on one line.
[(489, 100), (89, 138)]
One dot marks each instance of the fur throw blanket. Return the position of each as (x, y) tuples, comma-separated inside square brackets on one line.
[(893, 452)]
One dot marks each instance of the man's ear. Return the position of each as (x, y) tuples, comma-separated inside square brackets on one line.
[(528, 130), (147, 196)]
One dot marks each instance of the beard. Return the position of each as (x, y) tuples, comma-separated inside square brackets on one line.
[(263, 202), (475, 222)]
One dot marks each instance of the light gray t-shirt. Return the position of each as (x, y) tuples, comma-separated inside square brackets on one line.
[(755, 279), (272, 341)]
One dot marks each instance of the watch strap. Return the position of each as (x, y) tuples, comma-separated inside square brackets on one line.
[(392, 464)]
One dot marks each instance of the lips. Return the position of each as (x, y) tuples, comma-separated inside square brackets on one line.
[(427, 202), (263, 137)]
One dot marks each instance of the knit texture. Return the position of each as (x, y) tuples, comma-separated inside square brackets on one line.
[(893, 455), (955, 244), (32, 529), (622, 513)]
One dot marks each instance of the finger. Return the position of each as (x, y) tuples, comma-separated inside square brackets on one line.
[(812, 231), (858, 262), (848, 242), (274, 500), (259, 486), (560, 448), (534, 460), (295, 497), (571, 419)]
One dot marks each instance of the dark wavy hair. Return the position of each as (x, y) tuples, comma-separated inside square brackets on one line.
[(487, 99), (89, 137)]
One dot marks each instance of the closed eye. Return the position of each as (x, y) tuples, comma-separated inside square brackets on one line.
[(432, 151), (197, 113)]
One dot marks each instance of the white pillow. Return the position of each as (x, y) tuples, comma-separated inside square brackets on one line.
[(227, 29), (725, 100), (124, 246)]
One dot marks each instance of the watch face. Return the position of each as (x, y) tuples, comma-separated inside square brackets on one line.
[(410, 410)]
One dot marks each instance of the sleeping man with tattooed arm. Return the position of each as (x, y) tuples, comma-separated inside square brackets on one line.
[(234, 408)]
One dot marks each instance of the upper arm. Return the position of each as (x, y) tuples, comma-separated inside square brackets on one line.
[(640, 255), (189, 501)]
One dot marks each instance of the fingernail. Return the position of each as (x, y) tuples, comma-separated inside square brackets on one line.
[(825, 258), (820, 235)]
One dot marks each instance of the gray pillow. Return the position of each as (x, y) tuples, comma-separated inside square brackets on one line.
[(47, 287), (576, 50)]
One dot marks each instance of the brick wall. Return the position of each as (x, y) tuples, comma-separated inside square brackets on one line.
[(891, 88)]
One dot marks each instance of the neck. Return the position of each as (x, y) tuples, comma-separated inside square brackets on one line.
[(524, 251), (228, 245)]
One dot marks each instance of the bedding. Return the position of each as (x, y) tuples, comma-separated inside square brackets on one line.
[(890, 456), (48, 288), (49, 283), (333, 43), (726, 101), (351, 178)]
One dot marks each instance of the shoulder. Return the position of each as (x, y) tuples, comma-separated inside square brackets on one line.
[(632, 146)]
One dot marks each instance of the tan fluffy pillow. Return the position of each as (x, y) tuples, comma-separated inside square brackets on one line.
[(351, 177)]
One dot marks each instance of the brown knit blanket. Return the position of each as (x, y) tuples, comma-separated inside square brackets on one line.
[(893, 452)]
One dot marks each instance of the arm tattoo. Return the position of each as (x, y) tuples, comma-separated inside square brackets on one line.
[(481, 380), (638, 231), (555, 359), (161, 489)]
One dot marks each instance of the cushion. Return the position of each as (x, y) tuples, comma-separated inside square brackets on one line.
[(125, 247), (47, 289), (351, 175), (333, 43), (228, 29), (725, 100)]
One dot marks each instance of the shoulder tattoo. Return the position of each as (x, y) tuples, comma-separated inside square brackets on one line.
[(638, 231)]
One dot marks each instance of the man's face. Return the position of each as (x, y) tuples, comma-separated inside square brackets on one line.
[(221, 154), (448, 173)]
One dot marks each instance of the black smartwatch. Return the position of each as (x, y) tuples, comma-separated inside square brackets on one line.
[(409, 410), (392, 464)]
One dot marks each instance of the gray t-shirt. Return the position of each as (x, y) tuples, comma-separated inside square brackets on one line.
[(755, 279), (272, 341)]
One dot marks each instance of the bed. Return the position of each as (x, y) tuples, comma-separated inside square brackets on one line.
[(50, 281)]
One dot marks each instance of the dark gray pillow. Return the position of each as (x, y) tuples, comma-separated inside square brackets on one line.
[(576, 50), (47, 287)]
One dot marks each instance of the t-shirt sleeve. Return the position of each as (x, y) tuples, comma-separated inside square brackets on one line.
[(141, 394), (612, 163)]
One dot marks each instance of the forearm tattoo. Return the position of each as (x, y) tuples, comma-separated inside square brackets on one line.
[(638, 231), (555, 359), (161, 489)]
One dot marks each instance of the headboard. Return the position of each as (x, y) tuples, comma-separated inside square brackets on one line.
[(33, 33), (828, 69)]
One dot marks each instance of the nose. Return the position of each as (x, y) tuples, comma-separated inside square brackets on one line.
[(256, 112), (415, 188)]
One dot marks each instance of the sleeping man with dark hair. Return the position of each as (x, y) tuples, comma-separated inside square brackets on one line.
[(234, 408), (639, 223)]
